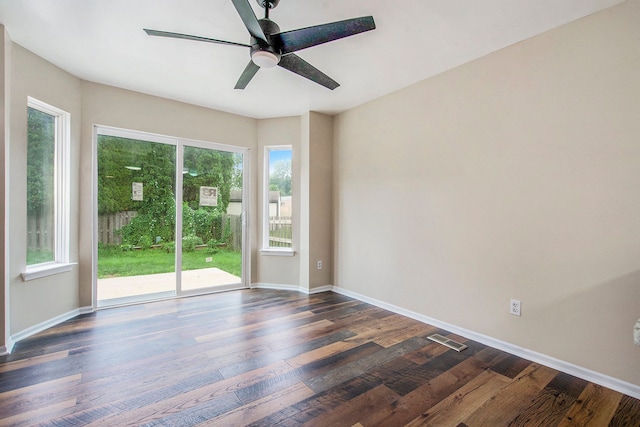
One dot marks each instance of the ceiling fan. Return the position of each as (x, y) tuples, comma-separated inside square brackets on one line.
[(270, 47)]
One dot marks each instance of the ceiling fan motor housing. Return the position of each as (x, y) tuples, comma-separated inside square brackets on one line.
[(268, 27), (271, 4)]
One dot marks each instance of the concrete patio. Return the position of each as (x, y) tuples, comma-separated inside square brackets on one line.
[(130, 286)]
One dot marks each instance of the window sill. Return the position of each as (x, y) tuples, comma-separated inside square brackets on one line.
[(277, 252), (45, 270)]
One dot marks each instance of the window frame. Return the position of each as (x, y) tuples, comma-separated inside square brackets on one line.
[(266, 248), (62, 161)]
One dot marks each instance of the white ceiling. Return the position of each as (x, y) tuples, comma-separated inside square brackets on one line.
[(103, 41)]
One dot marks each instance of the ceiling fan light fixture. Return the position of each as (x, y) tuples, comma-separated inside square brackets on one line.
[(265, 59)]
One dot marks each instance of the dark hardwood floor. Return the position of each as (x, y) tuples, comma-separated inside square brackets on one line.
[(265, 358)]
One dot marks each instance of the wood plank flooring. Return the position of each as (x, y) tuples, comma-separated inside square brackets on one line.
[(278, 358)]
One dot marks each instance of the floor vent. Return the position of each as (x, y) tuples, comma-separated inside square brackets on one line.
[(455, 345)]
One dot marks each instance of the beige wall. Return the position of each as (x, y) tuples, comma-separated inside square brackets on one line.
[(5, 91), (317, 167), (280, 270), (515, 176), (311, 138), (38, 300)]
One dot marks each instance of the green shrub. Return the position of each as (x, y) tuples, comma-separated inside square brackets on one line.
[(125, 247), (155, 219), (169, 247), (227, 235), (206, 222), (189, 243), (187, 220), (145, 242)]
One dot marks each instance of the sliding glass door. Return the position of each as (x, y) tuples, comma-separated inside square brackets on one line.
[(211, 226), (169, 217)]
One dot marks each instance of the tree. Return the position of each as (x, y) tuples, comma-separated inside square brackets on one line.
[(40, 161), (236, 180), (208, 168), (114, 178), (280, 177)]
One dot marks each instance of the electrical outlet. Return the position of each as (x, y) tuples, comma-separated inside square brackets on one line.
[(636, 333), (320, 265), (514, 307)]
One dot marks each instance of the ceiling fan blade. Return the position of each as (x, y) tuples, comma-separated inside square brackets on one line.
[(250, 70), (249, 18), (291, 41), (190, 37), (295, 64)]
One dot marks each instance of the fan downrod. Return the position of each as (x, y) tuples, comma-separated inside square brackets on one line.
[(268, 4)]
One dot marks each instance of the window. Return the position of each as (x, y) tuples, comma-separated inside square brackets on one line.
[(277, 236), (47, 195)]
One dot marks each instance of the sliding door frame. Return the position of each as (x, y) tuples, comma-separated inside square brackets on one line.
[(179, 143)]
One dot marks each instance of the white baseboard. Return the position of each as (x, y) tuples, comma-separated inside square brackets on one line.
[(566, 367), (7, 348), (47, 324), (319, 290), (292, 288), (276, 287), (86, 310)]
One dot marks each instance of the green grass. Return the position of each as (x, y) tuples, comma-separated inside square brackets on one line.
[(116, 263)]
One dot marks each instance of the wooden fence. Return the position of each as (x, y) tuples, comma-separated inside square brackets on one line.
[(40, 235), (110, 225), (40, 232), (280, 232), (234, 222)]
